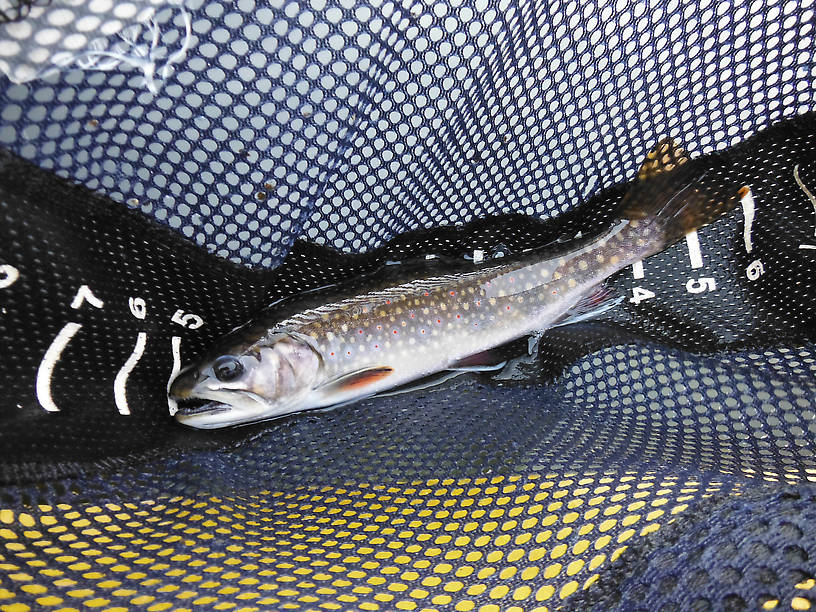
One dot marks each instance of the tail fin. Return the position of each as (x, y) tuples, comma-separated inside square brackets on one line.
[(670, 197)]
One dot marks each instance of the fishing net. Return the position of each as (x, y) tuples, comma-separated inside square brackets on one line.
[(170, 168)]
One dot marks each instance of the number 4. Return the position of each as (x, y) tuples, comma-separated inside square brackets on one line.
[(639, 294)]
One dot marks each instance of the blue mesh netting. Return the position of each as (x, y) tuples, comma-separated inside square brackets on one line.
[(351, 122)]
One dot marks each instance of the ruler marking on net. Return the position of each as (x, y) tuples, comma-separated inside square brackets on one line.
[(695, 254), (120, 382), (748, 209), (176, 348), (637, 269), (49, 361), (809, 195)]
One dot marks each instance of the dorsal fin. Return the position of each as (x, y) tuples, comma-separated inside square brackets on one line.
[(664, 157)]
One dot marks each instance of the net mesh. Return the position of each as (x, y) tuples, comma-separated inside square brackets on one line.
[(658, 458)]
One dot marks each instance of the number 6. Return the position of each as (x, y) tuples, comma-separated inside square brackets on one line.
[(189, 320)]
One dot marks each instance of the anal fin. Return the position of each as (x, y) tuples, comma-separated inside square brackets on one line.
[(600, 300)]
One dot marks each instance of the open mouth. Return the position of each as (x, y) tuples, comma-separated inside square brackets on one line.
[(191, 406)]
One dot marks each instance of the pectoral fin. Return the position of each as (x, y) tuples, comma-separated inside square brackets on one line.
[(356, 381)]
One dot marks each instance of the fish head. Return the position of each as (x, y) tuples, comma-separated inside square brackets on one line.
[(239, 383)]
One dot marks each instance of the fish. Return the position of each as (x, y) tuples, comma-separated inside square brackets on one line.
[(340, 344)]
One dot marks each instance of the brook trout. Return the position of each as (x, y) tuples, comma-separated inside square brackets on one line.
[(335, 346)]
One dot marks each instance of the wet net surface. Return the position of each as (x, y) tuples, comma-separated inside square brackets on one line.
[(659, 458)]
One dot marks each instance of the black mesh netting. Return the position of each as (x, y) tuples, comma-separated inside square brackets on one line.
[(657, 459)]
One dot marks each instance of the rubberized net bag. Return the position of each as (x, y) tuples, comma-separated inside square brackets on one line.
[(169, 169)]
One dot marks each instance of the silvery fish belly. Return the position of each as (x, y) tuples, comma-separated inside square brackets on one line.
[(348, 346)]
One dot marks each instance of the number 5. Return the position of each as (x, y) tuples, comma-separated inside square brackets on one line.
[(189, 320), (699, 286)]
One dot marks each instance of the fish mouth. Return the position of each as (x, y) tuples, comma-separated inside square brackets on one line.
[(196, 406)]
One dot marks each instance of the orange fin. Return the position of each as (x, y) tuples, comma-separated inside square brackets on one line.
[(357, 380), (664, 157), (671, 197)]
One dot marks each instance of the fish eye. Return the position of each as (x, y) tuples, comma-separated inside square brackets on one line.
[(227, 368)]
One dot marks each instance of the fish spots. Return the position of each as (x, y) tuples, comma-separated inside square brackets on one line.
[(614, 260), (571, 283), (395, 331), (379, 328), (583, 265), (600, 258), (387, 301), (413, 316), (507, 307), (423, 331), (359, 331), (453, 293), (439, 320), (458, 316), (426, 294)]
